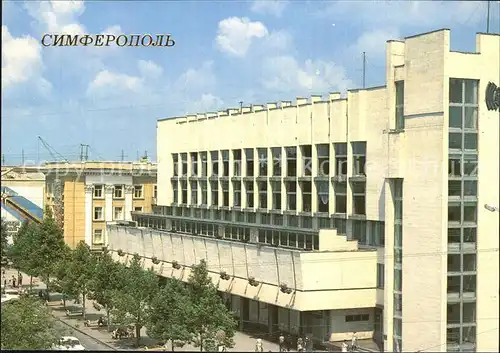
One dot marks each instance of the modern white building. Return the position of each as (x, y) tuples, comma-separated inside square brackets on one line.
[(333, 216)]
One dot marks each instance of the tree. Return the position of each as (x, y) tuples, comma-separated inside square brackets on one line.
[(208, 314), (64, 279), (50, 250), (105, 282), (131, 303), (27, 325), (3, 239), (169, 314), (81, 269)]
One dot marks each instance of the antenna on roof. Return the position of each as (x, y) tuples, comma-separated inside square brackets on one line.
[(364, 70), (241, 106), (488, 18)]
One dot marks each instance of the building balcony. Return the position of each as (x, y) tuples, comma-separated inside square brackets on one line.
[(338, 276)]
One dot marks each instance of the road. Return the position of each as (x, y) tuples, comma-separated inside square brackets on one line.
[(89, 343)]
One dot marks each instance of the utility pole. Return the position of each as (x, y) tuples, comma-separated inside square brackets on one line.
[(364, 70), (22, 153), (241, 106), (488, 18), (123, 156), (146, 154), (3, 158)]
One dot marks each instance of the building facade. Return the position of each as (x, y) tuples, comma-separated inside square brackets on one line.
[(85, 195), (359, 214)]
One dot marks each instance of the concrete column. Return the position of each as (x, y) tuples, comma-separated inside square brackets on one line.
[(89, 190), (129, 190), (108, 203)]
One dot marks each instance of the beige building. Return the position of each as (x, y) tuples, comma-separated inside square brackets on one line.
[(370, 213), (86, 195)]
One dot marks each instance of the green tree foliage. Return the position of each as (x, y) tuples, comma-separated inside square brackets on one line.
[(64, 280), (106, 281), (25, 244), (208, 315), (51, 247), (3, 239), (27, 325), (131, 303), (81, 269), (169, 314)]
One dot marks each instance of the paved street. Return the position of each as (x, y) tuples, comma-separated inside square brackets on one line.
[(88, 342)]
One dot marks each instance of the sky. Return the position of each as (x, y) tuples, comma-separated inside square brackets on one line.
[(225, 52)]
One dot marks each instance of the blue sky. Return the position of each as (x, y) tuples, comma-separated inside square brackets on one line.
[(225, 52)]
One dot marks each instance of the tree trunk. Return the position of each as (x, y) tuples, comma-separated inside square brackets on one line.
[(108, 316), (31, 283), (64, 301), (84, 309), (173, 345), (201, 342), (137, 335)]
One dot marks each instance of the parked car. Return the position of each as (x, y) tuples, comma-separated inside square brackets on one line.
[(69, 343)]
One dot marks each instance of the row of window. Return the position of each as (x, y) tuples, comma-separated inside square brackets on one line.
[(270, 162), (397, 196), (118, 213), (118, 191), (198, 195)]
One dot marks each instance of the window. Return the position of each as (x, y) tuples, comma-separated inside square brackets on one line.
[(155, 191), (323, 196), (138, 191), (400, 96), (118, 214), (175, 164), (249, 153), (98, 191), (237, 162), (291, 195), (306, 160), (118, 192), (291, 161), (225, 193), (323, 159), (98, 213), (276, 189), (138, 209), (380, 276), (276, 154), (249, 193), (358, 158), (306, 188), (263, 162), (214, 186), (184, 164), (175, 191), (214, 157), (225, 163), (184, 192), (262, 194), (357, 318), (204, 164), (194, 193), (194, 163), (340, 190), (98, 236), (204, 193), (340, 158), (359, 197), (236, 193)]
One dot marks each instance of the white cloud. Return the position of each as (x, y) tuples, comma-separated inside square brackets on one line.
[(206, 103), (196, 79), (21, 59), (115, 30), (57, 16), (113, 83), (373, 42), (149, 69), (273, 7), (285, 74), (235, 35)]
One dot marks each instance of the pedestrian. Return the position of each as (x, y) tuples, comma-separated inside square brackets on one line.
[(258, 345), (289, 343), (344, 346), (20, 280), (308, 344), (13, 281), (354, 342), (282, 343), (300, 345)]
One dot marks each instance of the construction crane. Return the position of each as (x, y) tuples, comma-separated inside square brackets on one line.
[(58, 186), (51, 150)]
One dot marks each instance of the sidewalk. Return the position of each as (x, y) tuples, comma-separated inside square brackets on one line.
[(243, 342)]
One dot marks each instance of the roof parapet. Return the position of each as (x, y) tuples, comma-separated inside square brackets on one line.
[(222, 113), (257, 108), (200, 116), (272, 105), (211, 115), (300, 101), (284, 104), (190, 117), (316, 98), (232, 111), (246, 109), (334, 95)]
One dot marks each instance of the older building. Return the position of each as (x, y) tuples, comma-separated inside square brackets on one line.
[(359, 214), (86, 195)]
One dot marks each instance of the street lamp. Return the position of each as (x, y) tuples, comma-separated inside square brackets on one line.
[(491, 208)]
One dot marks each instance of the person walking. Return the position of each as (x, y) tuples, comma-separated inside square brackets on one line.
[(258, 345), (344, 347), (20, 279), (300, 345), (354, 342), (281, 342), (13, 281)]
